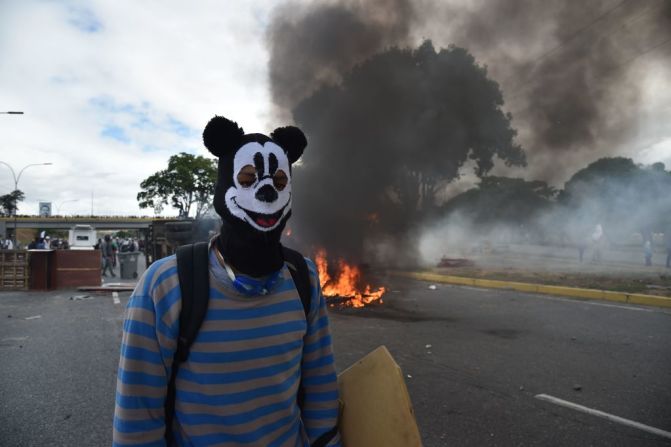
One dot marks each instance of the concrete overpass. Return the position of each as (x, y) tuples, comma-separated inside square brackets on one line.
[(66, 223)]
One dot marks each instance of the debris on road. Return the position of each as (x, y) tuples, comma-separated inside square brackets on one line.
[(409, 376), (455, 262), (433, 287), (577, 387), (34, 317), (80, 297), (428, 346)]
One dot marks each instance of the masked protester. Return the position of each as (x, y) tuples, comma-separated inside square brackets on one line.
[(260, 370)]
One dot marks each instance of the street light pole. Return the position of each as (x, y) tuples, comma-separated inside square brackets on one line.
[(16, 186)]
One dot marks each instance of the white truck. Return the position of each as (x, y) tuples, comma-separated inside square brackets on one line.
[(82, 237)]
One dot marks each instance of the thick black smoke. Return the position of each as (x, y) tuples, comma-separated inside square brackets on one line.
[(313, 45), (568, 70), (563, 67), (388, 137)]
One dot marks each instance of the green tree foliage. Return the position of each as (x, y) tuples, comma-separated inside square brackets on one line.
[(616, 193), (503, 200), (188, 180), (392, 134), (621, 195), (9, 202)]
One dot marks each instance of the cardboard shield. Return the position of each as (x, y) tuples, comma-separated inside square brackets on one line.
[(376, 407)]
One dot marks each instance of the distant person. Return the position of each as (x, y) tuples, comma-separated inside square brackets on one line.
[(41, 244), (583, 242), (115, 249), (647, 251), (33, 243), (8, 244), (107, 256)]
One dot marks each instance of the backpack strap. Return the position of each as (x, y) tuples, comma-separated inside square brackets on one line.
[(194, 284), (301, 276)]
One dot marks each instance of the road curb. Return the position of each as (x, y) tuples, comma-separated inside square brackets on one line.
[(572, 292)]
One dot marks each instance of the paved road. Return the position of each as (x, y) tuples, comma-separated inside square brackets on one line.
[(491, 352)]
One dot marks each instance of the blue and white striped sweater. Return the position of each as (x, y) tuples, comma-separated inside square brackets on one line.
[(240, 382)]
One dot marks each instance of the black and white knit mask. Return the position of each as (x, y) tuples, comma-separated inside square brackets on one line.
[(253, 191)]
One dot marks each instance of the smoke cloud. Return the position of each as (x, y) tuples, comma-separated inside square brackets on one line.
[(570, 73), (315, 44)]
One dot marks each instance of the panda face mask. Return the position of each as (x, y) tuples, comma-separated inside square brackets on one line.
[(254, 176), (260, 193)]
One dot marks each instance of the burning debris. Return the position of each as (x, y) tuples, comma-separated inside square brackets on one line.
[(346, 283)]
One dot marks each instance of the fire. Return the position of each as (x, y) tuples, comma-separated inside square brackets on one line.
[(345, 283)]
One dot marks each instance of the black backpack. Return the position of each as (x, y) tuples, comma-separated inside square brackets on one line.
[(194, 284)]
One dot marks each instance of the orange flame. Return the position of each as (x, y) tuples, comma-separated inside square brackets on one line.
[(345, 284)]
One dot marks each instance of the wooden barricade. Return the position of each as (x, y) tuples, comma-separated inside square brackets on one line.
[(14, 270)]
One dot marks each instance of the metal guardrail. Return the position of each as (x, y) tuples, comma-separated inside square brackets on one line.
[(66, 222)]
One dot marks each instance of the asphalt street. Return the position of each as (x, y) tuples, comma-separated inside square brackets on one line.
[(474, 362)]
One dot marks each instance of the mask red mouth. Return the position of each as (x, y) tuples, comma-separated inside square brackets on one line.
[(265, 222)]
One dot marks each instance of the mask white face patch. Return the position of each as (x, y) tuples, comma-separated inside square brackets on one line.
[(261, 191)]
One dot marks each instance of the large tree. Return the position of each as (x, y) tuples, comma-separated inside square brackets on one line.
[(621, 195), (188, 180), (397, 129), (503, 200), (9, 202)]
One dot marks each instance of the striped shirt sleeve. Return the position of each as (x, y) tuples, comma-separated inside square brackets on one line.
[(147, 349), (319, 380)]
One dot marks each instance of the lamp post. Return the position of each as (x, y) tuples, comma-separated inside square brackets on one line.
[(16, 186), (58, 207)]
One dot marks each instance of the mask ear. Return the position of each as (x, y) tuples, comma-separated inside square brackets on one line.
[(292, 140), (222, 136)]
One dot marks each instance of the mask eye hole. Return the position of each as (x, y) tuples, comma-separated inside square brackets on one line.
[(247, 176), (280, 180)]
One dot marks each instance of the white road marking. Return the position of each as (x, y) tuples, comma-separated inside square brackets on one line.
[(601, 414), (34, 317), (14, 339), (596, 303), (115, 297)]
